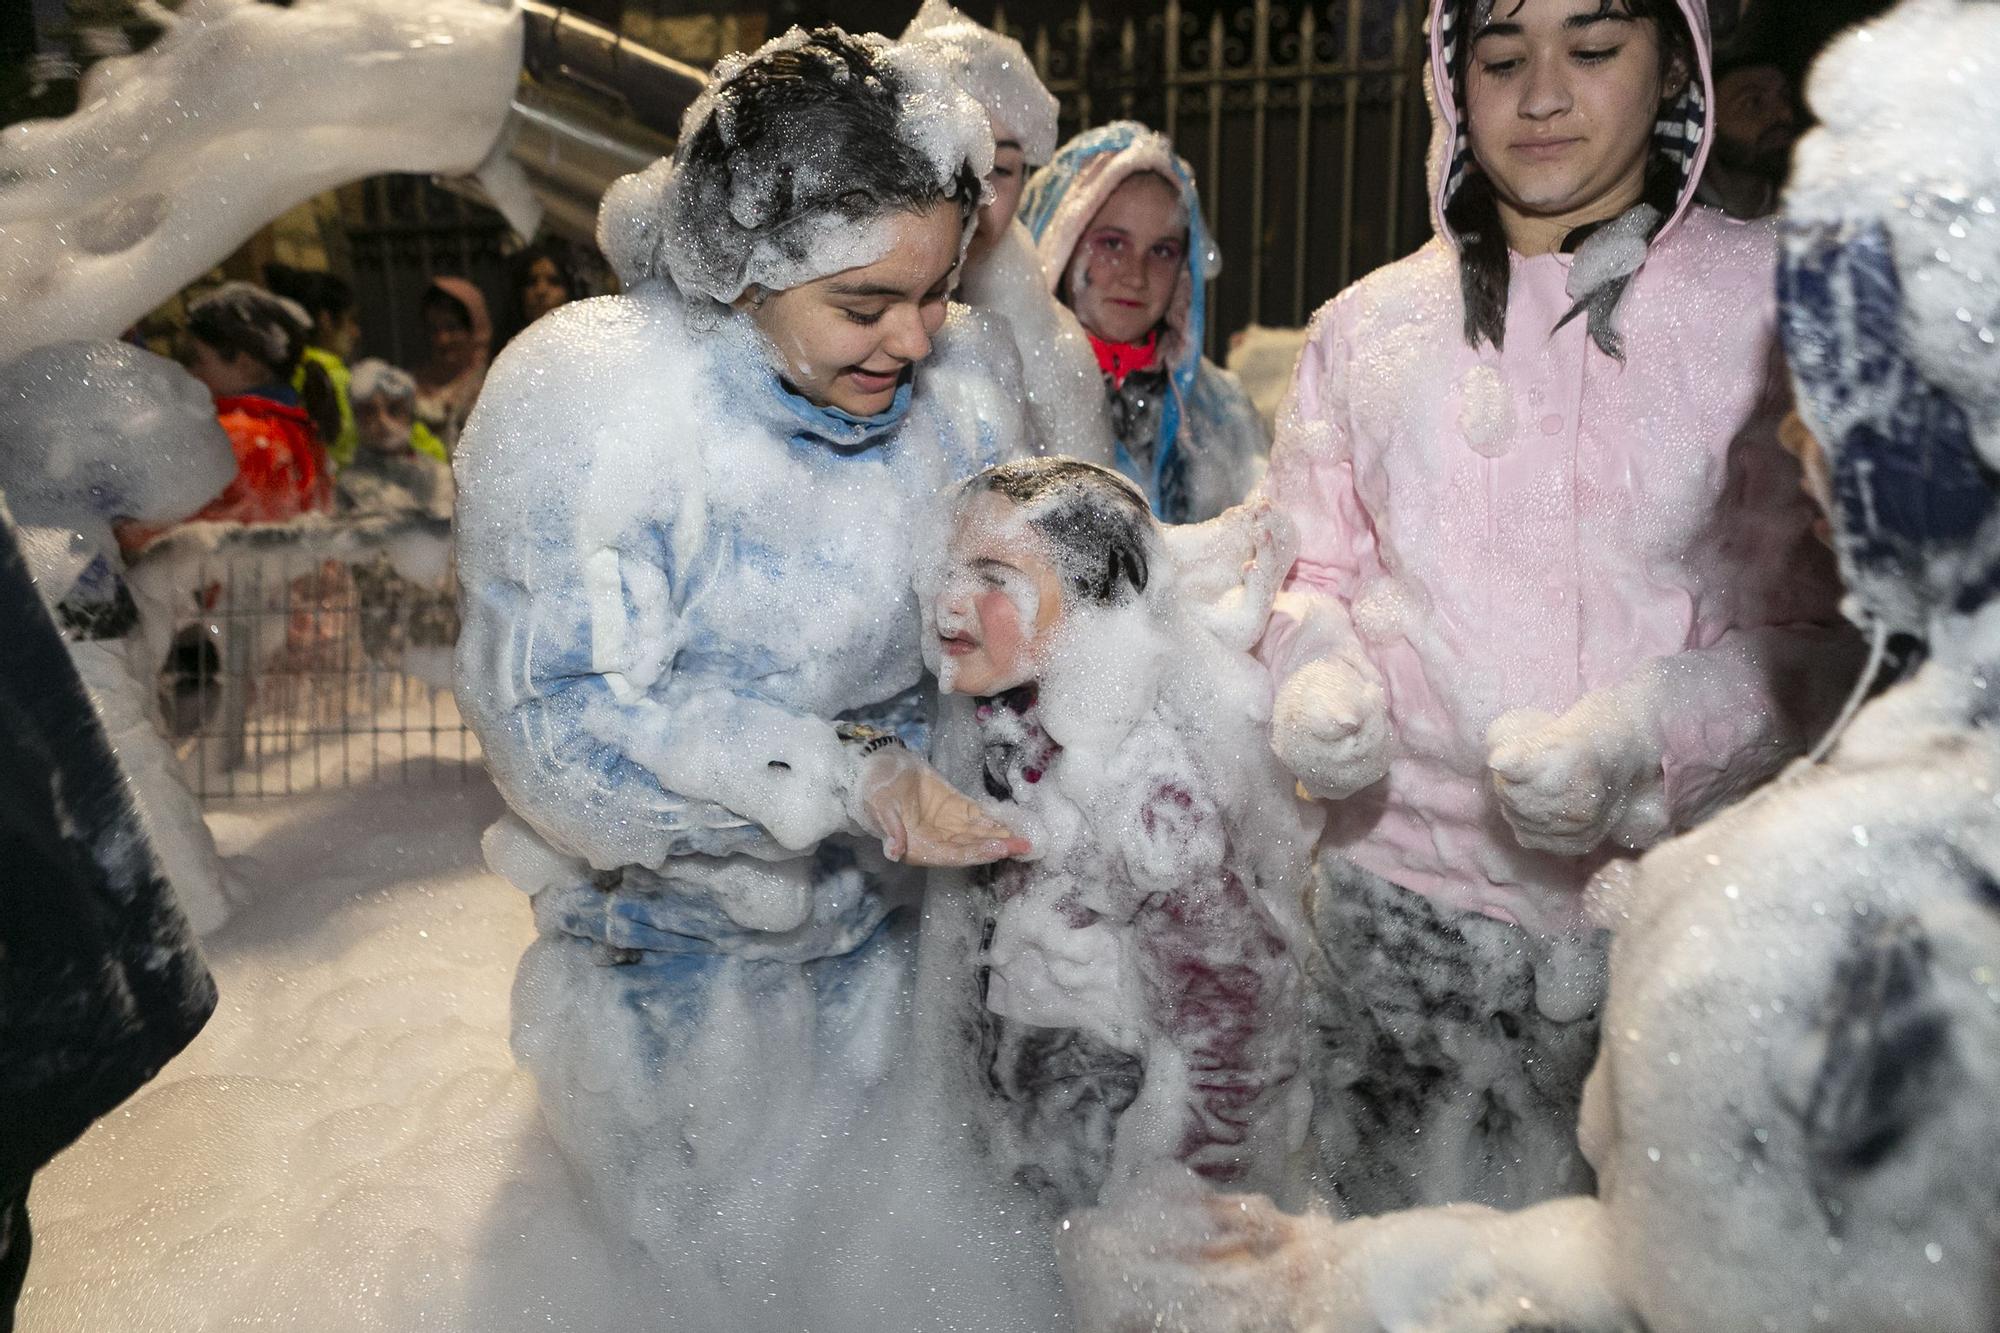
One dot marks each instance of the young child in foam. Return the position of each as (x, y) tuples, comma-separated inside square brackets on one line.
[(692, 651), (1118, 223), (1557, 593), (1003, 272), (400, 466), (1141, 969)]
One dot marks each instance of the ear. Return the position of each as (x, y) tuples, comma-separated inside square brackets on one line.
[(1677, 78), (753, 296)]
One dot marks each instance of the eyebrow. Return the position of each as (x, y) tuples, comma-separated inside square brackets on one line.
[(1509, 28), (866, 289)]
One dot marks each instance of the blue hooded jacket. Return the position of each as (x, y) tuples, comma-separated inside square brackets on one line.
[(1211, 448)]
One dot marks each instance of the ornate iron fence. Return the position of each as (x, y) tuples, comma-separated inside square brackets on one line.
[(1306, 124)]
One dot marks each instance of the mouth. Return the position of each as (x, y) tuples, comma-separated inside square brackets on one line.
[(874, 381), (957, 645), (1543, 150), (1129, 305)]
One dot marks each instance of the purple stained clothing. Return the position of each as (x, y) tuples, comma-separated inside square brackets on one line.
[(1143, 926)]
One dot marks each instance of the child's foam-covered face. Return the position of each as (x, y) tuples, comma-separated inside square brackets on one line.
[(1002, 595), (384, 424)]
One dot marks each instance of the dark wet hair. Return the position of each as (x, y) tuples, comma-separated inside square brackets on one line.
[(802, 131), (241, 318), (1098, 527), (319, 292), (1473, 213)]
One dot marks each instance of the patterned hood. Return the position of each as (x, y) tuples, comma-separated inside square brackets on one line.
[(1681, 133)]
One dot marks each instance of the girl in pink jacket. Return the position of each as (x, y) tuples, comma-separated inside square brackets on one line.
[(1557, 594)]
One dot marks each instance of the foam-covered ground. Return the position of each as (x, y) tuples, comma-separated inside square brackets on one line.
[(348, 1146)]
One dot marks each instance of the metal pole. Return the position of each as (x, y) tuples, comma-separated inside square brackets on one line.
[(1260, 91), (1173, 64), (1083, 64), (1351, 141), (1301, 184), (1399, 93)]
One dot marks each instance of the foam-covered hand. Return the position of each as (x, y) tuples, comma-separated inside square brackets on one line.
[(922, 819), (1330, 726), (1568, 784)]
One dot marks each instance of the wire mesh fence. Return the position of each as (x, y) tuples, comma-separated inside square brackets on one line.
[(306, 657)]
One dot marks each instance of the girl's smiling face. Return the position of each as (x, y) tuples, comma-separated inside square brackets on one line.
[(847, 340), (1001, 597)]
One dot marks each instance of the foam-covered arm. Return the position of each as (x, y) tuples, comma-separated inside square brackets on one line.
[(1687, 733), (1776, 659), (1330, 719), (573, 537)]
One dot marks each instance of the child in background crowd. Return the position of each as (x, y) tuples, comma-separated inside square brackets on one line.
[(244, 343), (329, 303), (1118, 222), (401, 466)]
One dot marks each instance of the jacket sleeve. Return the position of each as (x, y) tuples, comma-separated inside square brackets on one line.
[(1311, 479), (1772, 660), (611, 721)]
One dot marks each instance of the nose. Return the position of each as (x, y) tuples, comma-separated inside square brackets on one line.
[(1545, 92), (906, 338)]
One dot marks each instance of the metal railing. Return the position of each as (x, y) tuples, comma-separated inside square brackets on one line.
[(1306, 125), (306, 657)]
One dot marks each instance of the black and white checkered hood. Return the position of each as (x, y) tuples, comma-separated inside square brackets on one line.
[(1681, 132)]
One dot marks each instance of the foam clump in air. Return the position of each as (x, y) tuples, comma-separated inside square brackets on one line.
[(765, 201), (236, 113), (91, 431)]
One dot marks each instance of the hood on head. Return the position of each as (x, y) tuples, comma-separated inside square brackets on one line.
[(1681, 133), (1062, 198), (994, 70), (474, 301), (1889, 313)]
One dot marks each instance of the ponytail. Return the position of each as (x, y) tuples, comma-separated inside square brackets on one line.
[(320, 400)]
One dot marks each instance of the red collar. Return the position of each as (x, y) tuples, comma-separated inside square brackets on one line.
[(1120, 359)]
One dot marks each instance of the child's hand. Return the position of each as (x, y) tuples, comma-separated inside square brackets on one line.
[(925, 821), (1568, 784), (1330, 726)]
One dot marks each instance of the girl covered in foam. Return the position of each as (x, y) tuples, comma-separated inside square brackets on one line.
[(1557, 593), (1118, 222), (1143, 993), (692, 652)]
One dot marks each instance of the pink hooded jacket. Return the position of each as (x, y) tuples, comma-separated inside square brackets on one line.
[(1484, 531)]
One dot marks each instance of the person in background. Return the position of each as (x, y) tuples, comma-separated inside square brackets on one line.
[(1756, 124), (245, 343), (1119, 226), (1002, 275), (329, 302), (540, 277), (100, 980), (460, 335), (401, 466)]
